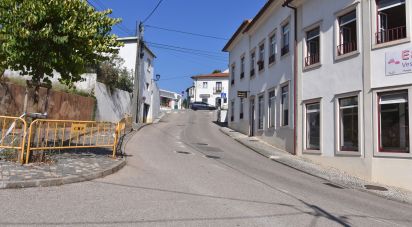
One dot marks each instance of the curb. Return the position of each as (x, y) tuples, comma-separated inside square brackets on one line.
[(393, 193)]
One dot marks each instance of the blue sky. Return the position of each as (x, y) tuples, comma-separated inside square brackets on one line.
[(219, 18)]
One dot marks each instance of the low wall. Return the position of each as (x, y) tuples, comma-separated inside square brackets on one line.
[(61, 105)]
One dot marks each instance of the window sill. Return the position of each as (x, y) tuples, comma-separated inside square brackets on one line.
[(347, 55), (272, 64), (348, 153), (312, 67), (391, 43), (285, 55), (316, 152), (383, 154)]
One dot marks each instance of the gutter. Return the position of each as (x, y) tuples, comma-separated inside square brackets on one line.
[(295, 72)]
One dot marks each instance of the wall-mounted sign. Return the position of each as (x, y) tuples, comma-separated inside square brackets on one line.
[(242, 94), (223, 95), (399, 62), (78, 127), (204, 95)]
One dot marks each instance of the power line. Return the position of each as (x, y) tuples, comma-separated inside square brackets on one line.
[(184, 48), (148, 17), (184, 32), (210, 57)]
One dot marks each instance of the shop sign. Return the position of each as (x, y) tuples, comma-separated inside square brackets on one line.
[(242, 94), (399, 62)]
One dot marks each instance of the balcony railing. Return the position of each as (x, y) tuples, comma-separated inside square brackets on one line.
[(217, 90), (271, 59), (348, 47), (312, 59), (391, 34), (261, 65), (252, 72), (284, 50)]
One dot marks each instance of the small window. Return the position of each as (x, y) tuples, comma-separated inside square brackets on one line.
[(312, 47), (252, 64), (261, 62), (205, 100), (272, 49), (348, 124), (232, 75), (232, 111), (285, 39), (241, 108), (285, 105), (271, 109), (260, 106), (313, 126), (347, 33), (242, 67), (393, 122), (149, 65), (204, 84), (391, 19), (218, 89)]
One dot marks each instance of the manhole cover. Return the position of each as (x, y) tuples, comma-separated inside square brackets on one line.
[(182, 152), (333, 185), (375, 187), (202, 144), (212, 156)]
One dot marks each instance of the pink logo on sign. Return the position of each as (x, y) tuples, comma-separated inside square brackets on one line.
[(392, 61)]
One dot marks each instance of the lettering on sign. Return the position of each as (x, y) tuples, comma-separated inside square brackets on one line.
[(242, 94), (79, 127), (399, 62)]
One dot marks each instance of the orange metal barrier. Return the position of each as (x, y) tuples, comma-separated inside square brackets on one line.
[(13, 134)]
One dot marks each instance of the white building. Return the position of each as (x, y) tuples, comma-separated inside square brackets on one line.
[(210, 88), (148, 97), (354, 70), (261, 66), (170, 100)]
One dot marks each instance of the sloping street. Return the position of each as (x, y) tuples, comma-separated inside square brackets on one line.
[(184, 172)]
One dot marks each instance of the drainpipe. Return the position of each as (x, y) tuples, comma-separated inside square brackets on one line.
[(295, 72)]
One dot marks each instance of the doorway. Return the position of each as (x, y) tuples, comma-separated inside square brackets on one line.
[(252, 117), (145, 112)]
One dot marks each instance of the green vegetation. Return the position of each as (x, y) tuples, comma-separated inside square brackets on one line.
[(112, 73)]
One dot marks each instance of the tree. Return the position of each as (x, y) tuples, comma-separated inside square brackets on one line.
[(68, 36), (112, 73), (217, 71)]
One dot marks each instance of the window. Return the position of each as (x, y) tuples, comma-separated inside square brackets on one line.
[(204, 84), (272, 49), (261, 62), (232, 75), (348, 124), (218, 88), (285, 39), (313, 126), (242, 67), (271, 109), (205, 100), (312, 47), (149, 65), (391, 19), (393, 122), (241, 109), (232, 111), (252, 64), (347, 33), (285, 105), (260, 106)]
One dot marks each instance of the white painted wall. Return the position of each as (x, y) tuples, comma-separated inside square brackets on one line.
[(112, 105), (199, 91)]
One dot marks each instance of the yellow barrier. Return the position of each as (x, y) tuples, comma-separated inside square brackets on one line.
[(65, 134), (13, 134)]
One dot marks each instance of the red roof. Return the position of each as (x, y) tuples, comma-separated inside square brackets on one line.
[(213, 75)]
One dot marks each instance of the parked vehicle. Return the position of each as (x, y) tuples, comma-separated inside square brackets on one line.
[(202, 106)]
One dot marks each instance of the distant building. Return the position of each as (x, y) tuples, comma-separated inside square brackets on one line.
[(170, 100), (210, 88)]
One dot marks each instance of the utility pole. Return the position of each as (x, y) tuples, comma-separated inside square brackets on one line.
[(136, 85)]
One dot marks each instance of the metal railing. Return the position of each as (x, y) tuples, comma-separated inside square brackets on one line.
[(13, 134), (391, 34), (312, 59), (347, 47)]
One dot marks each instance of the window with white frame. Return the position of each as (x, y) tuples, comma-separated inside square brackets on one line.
[(271, 109), (232, 110), (348, 124), (149, 65), (261, 62), (285, 39), (204, 84), (393, 121), (232, 75), (312, 47), (285, 105), (252, 64), (313, 126), (347, 33), (272, 48), (219, 88), (260, 111), (241, 108), (242, 67), (391, 19)]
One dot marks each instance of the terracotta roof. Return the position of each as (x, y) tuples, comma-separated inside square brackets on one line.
[(213, 75), (238, 31)]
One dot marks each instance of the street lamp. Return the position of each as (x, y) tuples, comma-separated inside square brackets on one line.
[(157, 77)]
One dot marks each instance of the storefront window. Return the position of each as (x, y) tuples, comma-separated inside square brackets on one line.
[(313, 126), (261, 103), (394, 122), (348, 124)]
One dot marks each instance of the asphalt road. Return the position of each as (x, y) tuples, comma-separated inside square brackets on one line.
[(185, 172)]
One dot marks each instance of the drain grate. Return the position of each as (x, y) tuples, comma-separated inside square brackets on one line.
[(212, 156), (375, 187), (202, 144), (211, 149), (253, 140), (182, 152), (333, 185)]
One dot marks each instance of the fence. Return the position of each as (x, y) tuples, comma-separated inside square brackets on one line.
[(48, 135)]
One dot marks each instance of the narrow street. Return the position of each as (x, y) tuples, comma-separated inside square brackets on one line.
[(184, 172)]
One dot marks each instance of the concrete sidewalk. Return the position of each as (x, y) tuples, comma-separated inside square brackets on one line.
[(338, 177)]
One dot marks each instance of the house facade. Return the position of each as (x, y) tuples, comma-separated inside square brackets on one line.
[(210, 88), (170, 100), (261, 60), (354, 68)]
